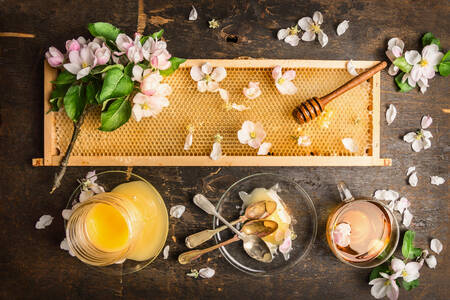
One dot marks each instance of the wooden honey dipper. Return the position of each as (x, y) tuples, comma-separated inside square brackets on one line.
[(311, 108)]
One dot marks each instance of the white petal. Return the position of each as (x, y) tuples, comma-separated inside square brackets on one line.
[(64, 245), (292, 40), (212, 86), (342, 27), (305, 23), (407, 218), (410, 170), (239, 107), (379, 288), (219, 74), (137, 73), (410, 137), (323, 38), (431, 261), (188, 141), (391, 205), (66, 213), (201, 86), (137, 115), (224, 94), (193, 14), (393, 70), (427, 134), (304, 141), (264, 148), (276, 72), (413, 179), (282, 34), (72, 68), (436, 245), (350, 145), (216, 152), (396, 42), (177, 211), (97, 189), (287, 88), (351, 68), (397, 265), (83, 72), (166, 252), (196, 73), (391, 113), (417, 145), (412, 57), (308, 36), (426, 122), (436, 180), (341, 234), (402, 204), (43, 222), (317, 17), (388, 195), (206, 68), (206, 272)]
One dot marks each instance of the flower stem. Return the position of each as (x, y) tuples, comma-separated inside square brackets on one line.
[(65, 160)]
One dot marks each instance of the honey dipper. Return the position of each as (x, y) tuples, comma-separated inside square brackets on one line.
[(311, 108)]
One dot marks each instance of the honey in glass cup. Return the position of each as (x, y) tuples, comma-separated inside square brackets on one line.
[(372, 231)]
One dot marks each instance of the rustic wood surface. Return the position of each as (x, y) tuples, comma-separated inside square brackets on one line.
[(31, 264)]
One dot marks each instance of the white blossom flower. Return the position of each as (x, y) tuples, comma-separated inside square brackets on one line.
[(304, 141), (386, 286), (350, 145), (436, 180), (206, 272), (253, 91), (423, 65), (351, 68), (412, 180), (342, 27), (419, 140), (283, 82), (409, 271), (43, 222), (391, 113), (407, 218), (208, 78), (312, 27), (156, 53), (81, 62), (402, 204), (410, 170), (395, 50), (137, 72), (177, 211), (388, 195), (216, 152), (193, 14), (252, 134), (431, 261), (436, 245), (289, 35), (64, 245), (189, 138), (426, 122), (66, 213), (166, 252), (264, 148), (341, 234)]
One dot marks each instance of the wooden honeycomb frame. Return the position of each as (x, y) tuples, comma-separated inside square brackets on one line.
[(159, 141)]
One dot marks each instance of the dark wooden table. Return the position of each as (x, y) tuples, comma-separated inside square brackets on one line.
[(33, 266)]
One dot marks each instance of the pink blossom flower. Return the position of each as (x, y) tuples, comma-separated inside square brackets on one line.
[(102, 55), (253, 91), (123, 42), (81, 62), (54, 57), (385, 286), (283, 82), (251, 134), (156, 53), (395, 50)]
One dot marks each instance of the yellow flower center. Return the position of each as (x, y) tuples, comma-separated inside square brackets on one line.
[(207, 77), (84, 65), (252, 134), (423, 62), (293, 30), (145, 106), (404, 274), (387, 282), (316, 28), (281, 80)]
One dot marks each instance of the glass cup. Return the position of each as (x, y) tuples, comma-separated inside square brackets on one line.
[(374, 230)]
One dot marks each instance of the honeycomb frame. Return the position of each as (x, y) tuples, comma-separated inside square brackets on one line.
[(159, 141)]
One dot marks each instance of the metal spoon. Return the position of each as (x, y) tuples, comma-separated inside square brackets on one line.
[(257, 210), (253, 244), (255, 247)]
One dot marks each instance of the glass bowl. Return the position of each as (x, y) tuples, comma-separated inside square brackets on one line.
[(109, 180), (302, 211)]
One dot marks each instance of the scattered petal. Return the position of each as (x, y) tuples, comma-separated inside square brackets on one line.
[(66, 213), (342, 27), (193, 14), (282, 33), (391, 205), (436, 245), (387, 195), (44, 221), (323, 38), (216, 152), (286, 247), (238, 107), (436, 180), (410, 170), (413, 179), (264, 148), (85, 195), (391, 113), (292, 40), (224, 94), (431, 261), (64, 245), (253, 91), (410, 137), (426, 122), (206, 272), (351, 68), (350, 145), (188, 141), (304, 141), (402, 204), (177, 211), (166, 252), (407, 218)]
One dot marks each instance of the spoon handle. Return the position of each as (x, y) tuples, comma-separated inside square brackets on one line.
[(199, 238), (189, 256)]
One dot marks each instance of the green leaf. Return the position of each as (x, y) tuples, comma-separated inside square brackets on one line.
[(116, 84), (105, 68), (59, 91), (74, 102), (402, 64), (129, 69), (175, 62), (428, 39), (144, 39), (384, 268), (158, 35), (416, 252), (116, 115), (105, 30), (444, 66), (403, 86), (408, 244), (91, 90), (410, 285), (65, 77)]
